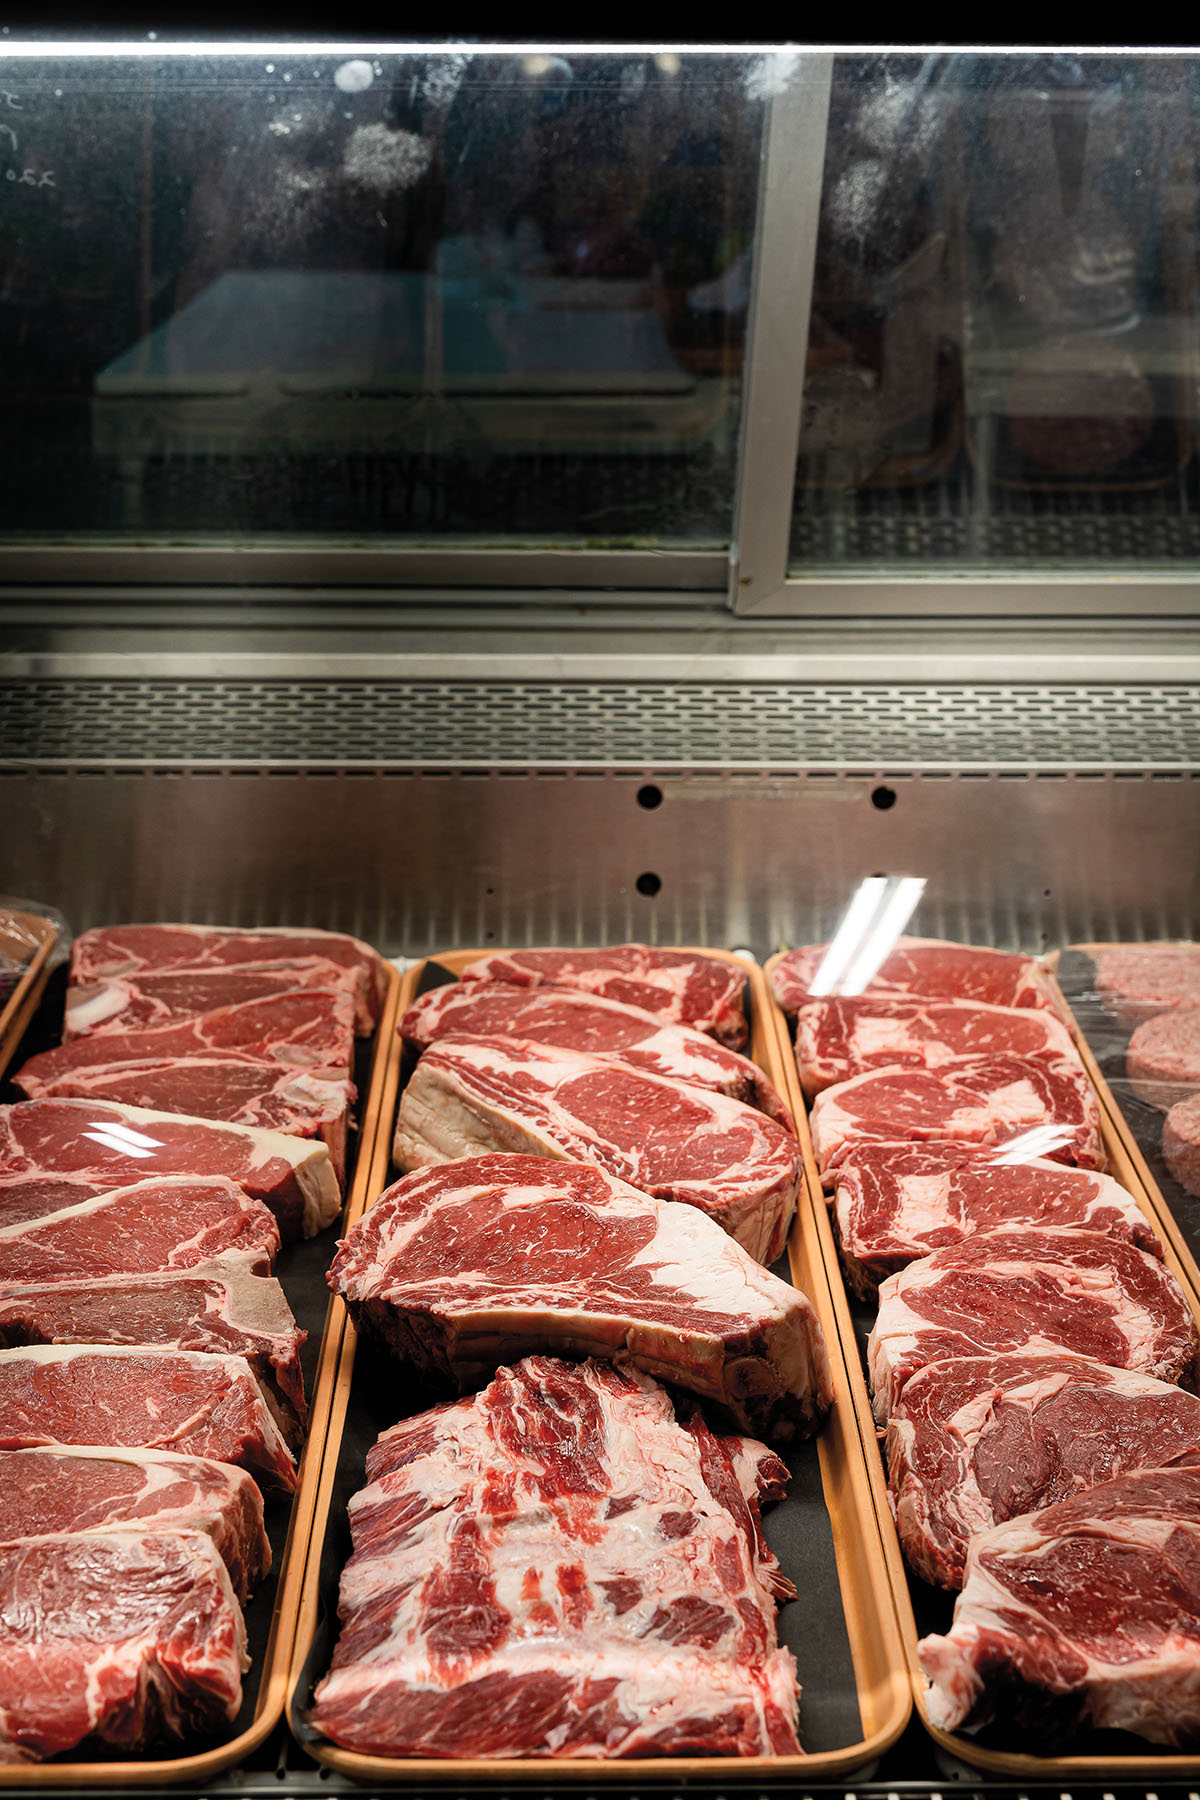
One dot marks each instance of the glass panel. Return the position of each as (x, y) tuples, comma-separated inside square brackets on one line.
[(440, 297), (1002, 358)]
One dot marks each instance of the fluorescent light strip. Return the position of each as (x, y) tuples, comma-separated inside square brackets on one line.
[(1038, 1141), (848, 938), (128, 1135), (874, 952), (113, 1143)]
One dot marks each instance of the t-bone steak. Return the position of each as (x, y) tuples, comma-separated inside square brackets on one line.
[(306, 1028), (220, 1308), (113, 951), (1138, 980), (681, 986), (83, 1489), (930, 968), (1085, 1614), (233, 1089), (558, 1567), (171, 1222), (988, 1100), (185, 1400), (1162, 1060), (893, 1203), (676, 1143), (471, 1264), (46, 1142), (599, 1027), (836, 1039), (1035, 1291), (124, 1638), (977, 1440), (165, 997)]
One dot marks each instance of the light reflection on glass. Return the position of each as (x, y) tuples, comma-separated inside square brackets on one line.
[(874, 921)]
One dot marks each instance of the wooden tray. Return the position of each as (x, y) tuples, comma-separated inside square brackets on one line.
[(289, 1563), (1165, 1764), (19, 1008), (856, 1571)]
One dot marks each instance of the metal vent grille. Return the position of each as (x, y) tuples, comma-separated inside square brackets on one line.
[(632, 725)]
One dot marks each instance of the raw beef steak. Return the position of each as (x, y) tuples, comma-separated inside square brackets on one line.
[(577, 1021), (1181, 1143), (1163, 1057), (1138, 980), (153, 998), (91, 1490), (471, 1264), (1035, 1292), (124, 1639), (181, 1400), (618, 1602), (45, 1141), (36, 1196), (681, 986), (836, 1039), (894, 1203), (220, 1308), (172, 1222), (306, 1028), (1086, 1614), (989, 1100), (932, 969), (675, 1143), (113, 951), (978, 1440), (231, 1089)]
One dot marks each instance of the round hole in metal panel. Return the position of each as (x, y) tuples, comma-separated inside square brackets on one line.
[(649, 796), (648, 884), (883, 798)]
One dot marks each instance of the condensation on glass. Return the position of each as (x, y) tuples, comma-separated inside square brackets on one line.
[(434, 298), (1002, 355)]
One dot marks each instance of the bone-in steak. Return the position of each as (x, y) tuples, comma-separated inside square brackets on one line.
[(837, 1039), (219, 1307), (164, 997), (599, 1027), (682, 987), (471, 1264), (557, 1568), (43, 1142), (978, 1440), (988, 1100), (171, 1222), (931, 968), (1086, 1614), (1036, 1292), (198, 1404), (673, 1142), (83, 1489), (113, 951), (125, 1638), (894, 1203)]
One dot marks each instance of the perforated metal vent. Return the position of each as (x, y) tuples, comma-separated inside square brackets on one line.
[(476, 724)]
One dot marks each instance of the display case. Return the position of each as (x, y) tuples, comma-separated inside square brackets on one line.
[(498, 495)]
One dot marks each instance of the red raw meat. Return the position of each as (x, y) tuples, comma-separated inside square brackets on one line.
[(930, 968), (1162, 1060), (558, 1567), (893, 1203), (1138, 980), (977, 1440), (309, 1028), (683, 987), (1035, 1292), (43, 1142), (1181, 1143), (113, 951), (164, 997), (179, 1400), (85, 1489), (219, 1307), (837, 1039), (574, 1020), (470, 1264), (989, 1100), (230, 1089), (123, 1638), (673, 1142), (171, 1222), (1086, 1614)]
